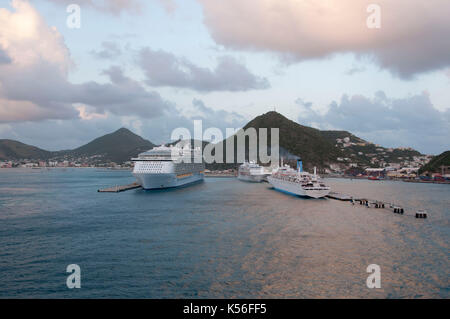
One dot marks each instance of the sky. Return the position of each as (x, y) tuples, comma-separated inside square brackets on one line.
[(68, 75)]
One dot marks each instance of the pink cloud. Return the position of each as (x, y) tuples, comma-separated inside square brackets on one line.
[(409, 41), (34, 72)]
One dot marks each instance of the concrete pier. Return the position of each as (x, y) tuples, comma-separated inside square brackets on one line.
[(119, 188), (370, 203), (339, 196)]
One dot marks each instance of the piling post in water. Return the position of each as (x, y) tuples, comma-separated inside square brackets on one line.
[(421, 215)]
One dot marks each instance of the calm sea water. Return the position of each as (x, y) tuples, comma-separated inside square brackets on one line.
[(219, 238)]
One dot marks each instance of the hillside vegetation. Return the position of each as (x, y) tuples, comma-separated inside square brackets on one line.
[(10, 149), (435, 164), (119, 146)]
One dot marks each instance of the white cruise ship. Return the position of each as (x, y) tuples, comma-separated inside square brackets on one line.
[(252, 172), (298, 182), (164, 167)]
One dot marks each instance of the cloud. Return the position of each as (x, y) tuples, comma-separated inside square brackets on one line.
[(409, 42), (16, 111), (124, 96), (33, 49), (116, 7), (71, 133), (169, 5), (4, 57), (217, 118), (165, 69), (411, 121), (34, 85), (353, 70), (109, 50), (159, 130), (109, 6)]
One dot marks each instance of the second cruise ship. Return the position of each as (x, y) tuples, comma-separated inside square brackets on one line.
[(252, 172), (165, 167), (298, 182)]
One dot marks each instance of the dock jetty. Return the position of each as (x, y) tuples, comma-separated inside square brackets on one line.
[(339, 196), (119, 188), (374, 204)]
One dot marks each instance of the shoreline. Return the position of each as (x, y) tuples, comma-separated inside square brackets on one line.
[(390, 179), (220, 175)]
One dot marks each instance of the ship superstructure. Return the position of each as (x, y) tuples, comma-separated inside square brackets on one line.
[(164, 167), (252, 172)]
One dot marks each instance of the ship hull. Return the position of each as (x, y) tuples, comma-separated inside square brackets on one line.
[(169, 180), (297, 189)]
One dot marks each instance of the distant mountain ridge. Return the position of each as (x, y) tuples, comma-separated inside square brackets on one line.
[(315, 147), (117, 147)]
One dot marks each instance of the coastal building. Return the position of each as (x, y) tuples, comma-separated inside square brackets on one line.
[(6, 164)]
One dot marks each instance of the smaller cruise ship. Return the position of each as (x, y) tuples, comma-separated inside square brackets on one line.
[(298, 182), (252, 172)]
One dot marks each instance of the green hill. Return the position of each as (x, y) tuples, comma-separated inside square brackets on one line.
[(119, 146), (435, 164), (14, 150), (295, 141), (303, 141)]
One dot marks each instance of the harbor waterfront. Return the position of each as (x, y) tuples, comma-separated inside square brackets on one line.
[(220, 238)]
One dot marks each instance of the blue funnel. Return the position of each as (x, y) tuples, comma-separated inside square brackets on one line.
[(299, 165)]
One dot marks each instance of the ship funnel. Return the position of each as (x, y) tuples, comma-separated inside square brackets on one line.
[(299, 165), (315, 171)]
